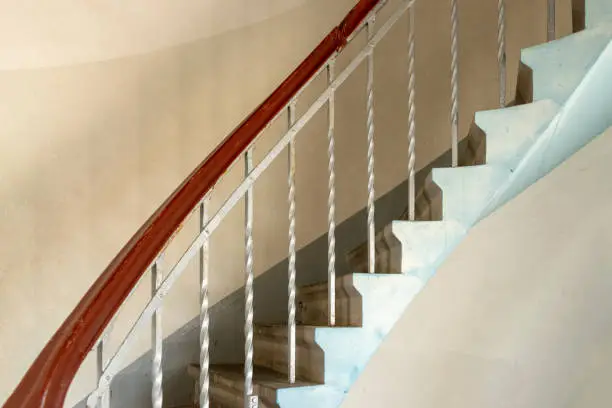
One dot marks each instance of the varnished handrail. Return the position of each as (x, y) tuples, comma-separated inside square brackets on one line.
[(46, 382)]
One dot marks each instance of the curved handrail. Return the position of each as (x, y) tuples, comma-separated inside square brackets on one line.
[(46, 382)]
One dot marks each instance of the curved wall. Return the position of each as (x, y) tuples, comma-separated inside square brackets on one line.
[(89, 151), (37, 34)]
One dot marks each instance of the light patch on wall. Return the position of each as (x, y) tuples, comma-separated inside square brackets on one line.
[(65, 32)]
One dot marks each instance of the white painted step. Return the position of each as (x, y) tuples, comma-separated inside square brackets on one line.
[(586, 114), (559, 66), (512, 131), (467, 190), (421, 244)]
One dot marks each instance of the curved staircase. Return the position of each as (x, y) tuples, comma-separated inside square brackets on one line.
[(564, 99)]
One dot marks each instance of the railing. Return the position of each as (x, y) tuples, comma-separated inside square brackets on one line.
[(48, 379)]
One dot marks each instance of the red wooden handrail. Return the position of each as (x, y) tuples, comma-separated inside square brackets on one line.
[(46, 382)]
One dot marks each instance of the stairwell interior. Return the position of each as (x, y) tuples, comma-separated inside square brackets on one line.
[(563, 100)]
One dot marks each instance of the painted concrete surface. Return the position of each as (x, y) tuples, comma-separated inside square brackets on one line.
[(598, 12), (520, 314)]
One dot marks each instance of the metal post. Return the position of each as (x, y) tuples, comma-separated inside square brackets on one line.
[(331, 201), (370, 126), (411, 116), (156, 341), (104, 400), (550, 28), (501, 50), (454, 83), (291, 272), (204, 317), (250, 399)]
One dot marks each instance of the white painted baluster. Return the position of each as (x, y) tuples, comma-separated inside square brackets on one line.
[(331, 200), (204, 317), (411, 116), (104, 400), (370, 127), (156, 340), (550, 26), (454, 83), (250, 399), (291, 259)]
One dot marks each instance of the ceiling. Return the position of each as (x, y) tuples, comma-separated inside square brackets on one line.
[(38, 33)]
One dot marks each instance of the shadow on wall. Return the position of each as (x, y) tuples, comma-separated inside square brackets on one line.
[(132, 385)]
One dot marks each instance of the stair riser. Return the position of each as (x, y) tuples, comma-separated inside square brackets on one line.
[(273, 353), (578, 15), (226, 398), (313, 304), (229, 393), (314, 310)]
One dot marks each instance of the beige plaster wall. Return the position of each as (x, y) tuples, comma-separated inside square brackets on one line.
[(522, 320), (39, 34), (90, 150)]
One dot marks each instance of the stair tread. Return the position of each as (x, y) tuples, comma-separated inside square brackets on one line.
[(261, 376), (303, 327)]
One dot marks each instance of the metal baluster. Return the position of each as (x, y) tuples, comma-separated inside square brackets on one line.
[(411, 116), (104, 400), (550, 28), (204, 318), (370, 126), (156, 341), (454, 83), (250, 399), (292, 272), (501, 50), (331, 201)]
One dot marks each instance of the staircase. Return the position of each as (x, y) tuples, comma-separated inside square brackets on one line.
[(564, 99), (508, 150)]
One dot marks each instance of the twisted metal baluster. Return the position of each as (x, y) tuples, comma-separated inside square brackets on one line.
[(454, 83), (156, 340), (104, 400), (292, 272), (204, 318), (250, 399), (331, 201), (550, 27), (501, 50), (411, 117), (370, 126)]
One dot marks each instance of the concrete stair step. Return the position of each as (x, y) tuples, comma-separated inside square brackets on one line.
[(467, 190), (271, 351), (227, 385), (428, 206), (553, 70), (510, 132), (312, 304)]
